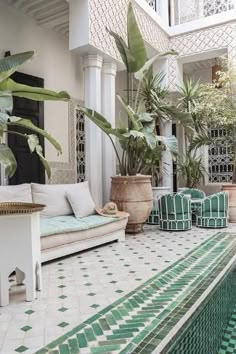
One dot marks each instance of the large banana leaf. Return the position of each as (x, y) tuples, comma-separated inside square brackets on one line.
[(34, 146), (140, 74), (6, 102), (26, 123), (39, 152), (3, 122), (124, 51), (135, 41), (7, 160), (10, 64), (170, 143), (133, 117), (97, 119), (32, 93)]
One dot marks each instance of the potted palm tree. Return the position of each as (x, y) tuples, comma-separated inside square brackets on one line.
[(8, 123), (131, 190)]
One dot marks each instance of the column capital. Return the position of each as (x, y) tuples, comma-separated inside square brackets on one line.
[(109, 68), (92, 60)]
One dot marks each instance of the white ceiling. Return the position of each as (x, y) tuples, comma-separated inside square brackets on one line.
[(52, 14), (189, 68)]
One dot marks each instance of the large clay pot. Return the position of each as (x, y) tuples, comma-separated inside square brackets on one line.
[(133, 194), (231, 189)]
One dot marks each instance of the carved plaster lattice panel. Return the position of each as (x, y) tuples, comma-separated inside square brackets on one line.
[(112, 14), (213, 7), (80, 146), (214, 38), (187, 10), (65, 172), (190, 10), (220, 156)]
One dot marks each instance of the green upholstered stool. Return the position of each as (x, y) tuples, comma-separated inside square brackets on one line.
[(153, 218), (194, 192), (213, 212), (174, 212)]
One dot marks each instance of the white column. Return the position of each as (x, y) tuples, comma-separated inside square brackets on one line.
[(167, 161), (166, 130), (108, 110), (93, 138), (164, 11)]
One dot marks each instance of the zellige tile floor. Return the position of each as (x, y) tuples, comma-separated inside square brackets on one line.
[(78, 286)]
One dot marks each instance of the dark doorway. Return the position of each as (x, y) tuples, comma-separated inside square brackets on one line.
[(29, 168)]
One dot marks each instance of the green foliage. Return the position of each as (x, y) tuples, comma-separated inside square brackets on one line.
[(134, 54), (141, 146), (191, 168), (8, 89)]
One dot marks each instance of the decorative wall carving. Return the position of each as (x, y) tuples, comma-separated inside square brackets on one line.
[(112, 14), (213, 7), (65, 172), (214, 38), (80, 146), (189, 10), (220, 156)]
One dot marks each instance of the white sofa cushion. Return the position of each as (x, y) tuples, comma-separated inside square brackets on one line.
[(19, 193), (81, 200), (54, 197)]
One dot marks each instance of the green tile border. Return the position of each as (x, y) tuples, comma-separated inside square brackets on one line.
[(218, 248)]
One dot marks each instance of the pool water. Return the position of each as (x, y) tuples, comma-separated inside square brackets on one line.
[(212, 328)]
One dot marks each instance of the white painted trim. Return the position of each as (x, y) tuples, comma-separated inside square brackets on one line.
[(191, 26), (153, 14), (201, 23)]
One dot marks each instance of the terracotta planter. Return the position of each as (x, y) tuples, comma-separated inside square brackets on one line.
[(133, 194), (231, 189)]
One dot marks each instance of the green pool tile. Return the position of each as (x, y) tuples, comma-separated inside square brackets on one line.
[(89, 334), (82, 340), (105, 349), (63, 324), (62, 297), (73, 345), (62, 309), (26, 328), (97, 329), (95, 306), (64, 349), (29, 312), (110, 320), (21, 349), (104, 324)]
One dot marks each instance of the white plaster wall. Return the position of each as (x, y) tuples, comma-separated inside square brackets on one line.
[(60, 69), (204, 76)]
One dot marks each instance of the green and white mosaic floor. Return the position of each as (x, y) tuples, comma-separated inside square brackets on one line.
[(79, 287)]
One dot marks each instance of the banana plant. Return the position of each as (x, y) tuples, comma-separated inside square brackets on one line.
[(191, 168), (139, 142), (9, 89)]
